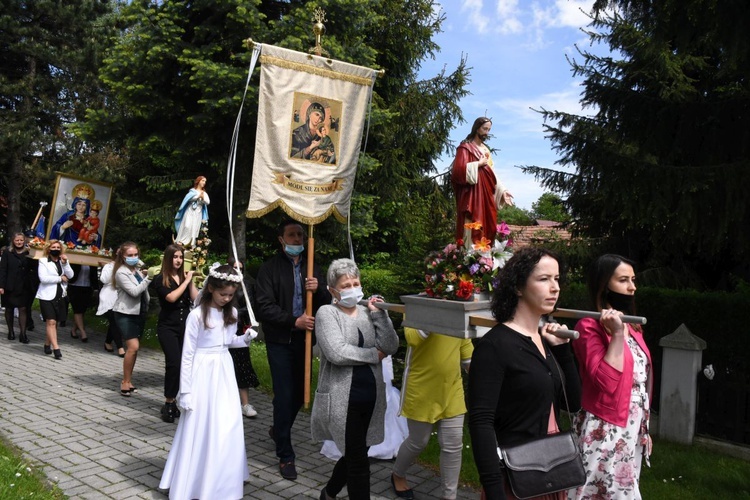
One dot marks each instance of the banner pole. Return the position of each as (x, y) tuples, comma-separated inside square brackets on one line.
[(309, 312)]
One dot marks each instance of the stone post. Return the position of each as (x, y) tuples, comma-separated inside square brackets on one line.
[(681, 363)]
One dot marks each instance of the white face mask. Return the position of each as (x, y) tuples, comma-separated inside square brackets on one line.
[(350, 297)]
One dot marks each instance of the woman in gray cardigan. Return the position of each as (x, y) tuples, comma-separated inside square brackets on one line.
[(349, 405), (130, 307)]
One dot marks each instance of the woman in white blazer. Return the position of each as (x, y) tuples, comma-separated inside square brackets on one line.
[(54, 273), (130, 308), (107, 298)]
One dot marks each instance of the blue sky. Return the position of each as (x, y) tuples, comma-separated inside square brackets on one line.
[(516, 49)]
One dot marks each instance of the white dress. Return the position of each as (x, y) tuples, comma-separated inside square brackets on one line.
[(207, 459)]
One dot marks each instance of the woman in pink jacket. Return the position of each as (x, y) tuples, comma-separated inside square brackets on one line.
[(616, 375)]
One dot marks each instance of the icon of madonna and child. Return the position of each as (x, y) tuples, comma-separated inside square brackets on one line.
[(80, 223)]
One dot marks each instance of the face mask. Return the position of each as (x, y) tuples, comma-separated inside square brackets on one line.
[(620, 301), (55, 253), (350, 297), (294, 250), (132, 261)]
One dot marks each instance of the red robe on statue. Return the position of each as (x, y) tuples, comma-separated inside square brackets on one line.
[(475, 202)]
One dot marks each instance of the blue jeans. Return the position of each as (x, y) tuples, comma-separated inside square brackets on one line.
[(287, 365)]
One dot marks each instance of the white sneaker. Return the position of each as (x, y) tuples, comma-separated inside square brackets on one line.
[(249, 411)]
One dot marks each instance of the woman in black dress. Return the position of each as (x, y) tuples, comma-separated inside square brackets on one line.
[(80, 290), (15, 285), (176, 291), (243, 365)]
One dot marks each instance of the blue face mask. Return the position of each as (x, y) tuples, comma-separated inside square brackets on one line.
[(294, 250), (132, 261)]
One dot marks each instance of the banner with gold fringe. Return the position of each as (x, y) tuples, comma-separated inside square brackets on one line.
[(311, 118)]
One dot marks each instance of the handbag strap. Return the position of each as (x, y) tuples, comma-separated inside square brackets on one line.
[(562, 380)]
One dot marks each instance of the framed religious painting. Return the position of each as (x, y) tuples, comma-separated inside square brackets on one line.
[(78, 218)]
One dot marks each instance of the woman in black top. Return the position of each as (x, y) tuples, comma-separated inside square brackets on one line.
[(515, 389), (80, 290), (176, 292), (15, 285)]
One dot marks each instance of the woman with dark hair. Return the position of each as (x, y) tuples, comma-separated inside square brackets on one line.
[(616, 370), (16, 284), (191, 214), (130, 307), (176, 291), (54, 274), (80, 290), (518, 369)]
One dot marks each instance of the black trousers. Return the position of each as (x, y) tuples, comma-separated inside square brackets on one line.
[(287, 365), (353, 468), (170, 340)]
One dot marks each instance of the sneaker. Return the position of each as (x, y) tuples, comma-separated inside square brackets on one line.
[(288, 471), (249, 411)]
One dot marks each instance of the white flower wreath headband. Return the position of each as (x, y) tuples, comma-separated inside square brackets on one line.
[(234, 277)]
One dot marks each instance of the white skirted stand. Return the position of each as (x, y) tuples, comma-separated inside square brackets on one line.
[(395, 426)]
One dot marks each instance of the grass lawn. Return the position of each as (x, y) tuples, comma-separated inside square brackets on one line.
[(22, 479)]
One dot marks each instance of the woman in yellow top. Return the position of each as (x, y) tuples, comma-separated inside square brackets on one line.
[(432, 393)]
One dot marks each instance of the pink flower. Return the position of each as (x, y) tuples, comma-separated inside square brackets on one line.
[(503, 229), (624, 474)]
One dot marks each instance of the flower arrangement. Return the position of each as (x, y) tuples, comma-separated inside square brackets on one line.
[(39, 243), (200, 251), (457, 272)]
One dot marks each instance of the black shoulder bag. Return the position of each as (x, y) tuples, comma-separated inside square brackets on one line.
[(545, 465)]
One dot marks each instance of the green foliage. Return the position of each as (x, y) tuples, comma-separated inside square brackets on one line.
[(50, 50), (175, 77), (516, 216), (385, 282), (550, 206), (662, 165)]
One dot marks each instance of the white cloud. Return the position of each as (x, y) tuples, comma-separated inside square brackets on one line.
[(569, 13), (472, 10), (519, 113), (508, 17)]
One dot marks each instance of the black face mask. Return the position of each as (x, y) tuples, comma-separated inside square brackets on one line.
[(619, 301), (55, 253)]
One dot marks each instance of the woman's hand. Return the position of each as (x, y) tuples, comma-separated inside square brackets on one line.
[(66, 224), (547, 329), (371, 303), (611, 321)]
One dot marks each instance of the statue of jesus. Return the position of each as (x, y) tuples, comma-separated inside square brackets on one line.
[(478, 192)]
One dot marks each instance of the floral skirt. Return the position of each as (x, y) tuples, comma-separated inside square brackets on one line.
[(612, 455)]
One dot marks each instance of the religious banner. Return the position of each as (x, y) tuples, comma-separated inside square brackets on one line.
[(311, 117)]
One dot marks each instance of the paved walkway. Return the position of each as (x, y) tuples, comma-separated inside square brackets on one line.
[(68, 417)]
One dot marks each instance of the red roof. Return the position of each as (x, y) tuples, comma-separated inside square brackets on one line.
[(525, 235)]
